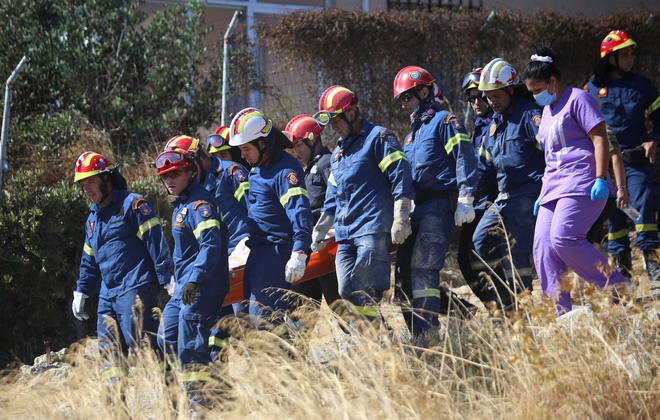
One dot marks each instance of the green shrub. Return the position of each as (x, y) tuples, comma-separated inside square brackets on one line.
[(41, 231)]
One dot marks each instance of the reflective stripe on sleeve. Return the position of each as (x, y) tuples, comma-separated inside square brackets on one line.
[(390, 159), (331, 180), (88, 250), (144, 227), (484, 153), (243, 187), (453, 142), (292, 193), (207, 224), (654, 106)]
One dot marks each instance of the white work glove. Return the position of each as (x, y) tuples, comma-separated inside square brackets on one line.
[(79, 305), (295, 267), (464, 210), (401, 226), (320, 230)]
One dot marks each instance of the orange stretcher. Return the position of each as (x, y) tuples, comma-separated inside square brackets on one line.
[(320, 263)]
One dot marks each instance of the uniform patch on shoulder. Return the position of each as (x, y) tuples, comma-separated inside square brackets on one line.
[(143, 205), (391, 138), (602, 92), (408, 140), (91, 227), (337, 156), (536, 119), (292, 178), (238, 172), (457, 123), (492, 129), (204, 208), (449, 118)]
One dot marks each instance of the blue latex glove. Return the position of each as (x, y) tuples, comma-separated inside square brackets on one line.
[(537, 204), (599, 190)]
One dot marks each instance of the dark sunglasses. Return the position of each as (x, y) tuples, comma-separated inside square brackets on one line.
[(474, 98), (407, 96), (215, 140)]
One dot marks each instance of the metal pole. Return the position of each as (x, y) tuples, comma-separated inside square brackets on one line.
[(7, 113), (225, 65)]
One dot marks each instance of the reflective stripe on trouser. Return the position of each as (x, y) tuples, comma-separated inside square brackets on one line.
[(560, 243), (117, 326), (363, 273), (432, 224), (185, 329), (645, 197), (265, 285), (491, 244)]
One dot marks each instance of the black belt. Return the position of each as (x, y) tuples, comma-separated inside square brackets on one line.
[(430, 195)]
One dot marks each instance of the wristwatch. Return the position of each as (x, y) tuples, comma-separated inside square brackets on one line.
[(604, 178)]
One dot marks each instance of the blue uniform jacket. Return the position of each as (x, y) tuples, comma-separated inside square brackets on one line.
[(512, 151), (228, 182), (487, 190), (200, 243), (124, 246), (279, 209), (440, 155), (368, 172), (625, 103)]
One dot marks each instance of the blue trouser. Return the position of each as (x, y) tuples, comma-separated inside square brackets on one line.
[(225, 326), (491, 245), (363, 273), (184, 335), (644, 195), (432, 225), (117, 327), (265, 285)]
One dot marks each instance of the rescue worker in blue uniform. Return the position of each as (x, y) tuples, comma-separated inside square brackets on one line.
[(280, 218), (512, 153), (228, 182), (486, 191), (305, 133), (445, 176), (368, 201), (125, 250), (201, 271), (626, 98)]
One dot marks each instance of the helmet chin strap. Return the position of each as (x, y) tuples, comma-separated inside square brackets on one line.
[(351, 122), (312, 148), (621, 72), (105, 180), (261, 150)]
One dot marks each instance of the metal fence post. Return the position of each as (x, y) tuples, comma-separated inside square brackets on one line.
[(7, 112)]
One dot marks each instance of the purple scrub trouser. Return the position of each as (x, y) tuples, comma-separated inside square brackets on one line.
[(560, 243)]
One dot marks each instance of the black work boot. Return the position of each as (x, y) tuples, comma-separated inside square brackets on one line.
[(652, 266), (623, 263)]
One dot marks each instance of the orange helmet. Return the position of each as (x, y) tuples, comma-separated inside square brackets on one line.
[(219, 140), (187, 143), (173, 160), (409, 77), (303, 127), (614, 41), (90, 164)]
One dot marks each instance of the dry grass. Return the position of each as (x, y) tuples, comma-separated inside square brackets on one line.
[(598, 364)]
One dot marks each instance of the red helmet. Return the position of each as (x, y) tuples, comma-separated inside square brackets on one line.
[(187, 143), (615, 40), (90, 164), (337, 99), (303, 127), (409, 77), (173, 160), (219, 140)]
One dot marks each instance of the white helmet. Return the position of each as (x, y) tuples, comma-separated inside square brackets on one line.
[(248, 125), (498, 74)]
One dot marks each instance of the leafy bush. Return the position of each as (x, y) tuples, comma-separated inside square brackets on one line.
[(41, 229)]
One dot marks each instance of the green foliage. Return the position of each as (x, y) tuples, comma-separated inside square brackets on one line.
[(140, 81), (42, 236)]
